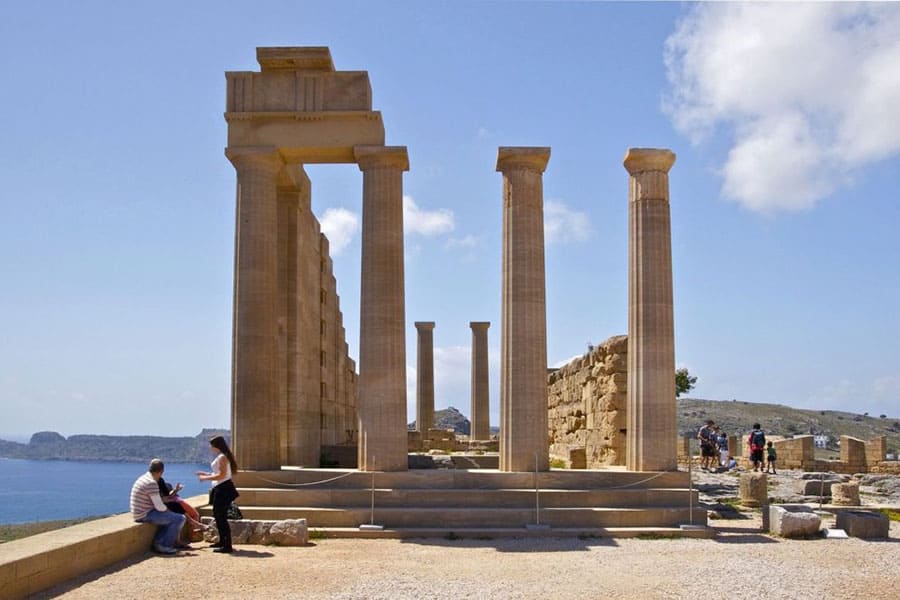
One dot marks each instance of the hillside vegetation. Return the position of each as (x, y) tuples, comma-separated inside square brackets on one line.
[(737, 417)]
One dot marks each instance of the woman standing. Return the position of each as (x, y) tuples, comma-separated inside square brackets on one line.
[(223, 492)]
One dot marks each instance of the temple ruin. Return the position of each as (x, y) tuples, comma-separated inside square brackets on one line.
[(296, 395)]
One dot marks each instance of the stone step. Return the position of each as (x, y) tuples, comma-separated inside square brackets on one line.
[(460, 498), (462, 479), (663, 516), (490, 533)]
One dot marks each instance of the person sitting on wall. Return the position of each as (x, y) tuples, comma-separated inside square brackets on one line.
[(147, 507), (177, 504)]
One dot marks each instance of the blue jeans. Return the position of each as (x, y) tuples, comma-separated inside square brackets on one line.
[(169, 525)]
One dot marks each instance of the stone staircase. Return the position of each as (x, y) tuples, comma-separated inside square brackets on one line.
[(472, 503)]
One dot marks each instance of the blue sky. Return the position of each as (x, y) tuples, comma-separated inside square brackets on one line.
[(117, 203)]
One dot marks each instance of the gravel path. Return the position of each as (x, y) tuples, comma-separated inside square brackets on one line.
[(740, 561)]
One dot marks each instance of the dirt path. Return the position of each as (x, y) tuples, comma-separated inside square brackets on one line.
[(740, 561)]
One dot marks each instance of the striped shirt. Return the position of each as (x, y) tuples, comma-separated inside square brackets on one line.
[(145, 497)]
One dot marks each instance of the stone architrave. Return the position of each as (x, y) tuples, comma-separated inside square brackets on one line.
[(651, 430), (480, 420), (524, 442), (382, 340), (425, 377), (256, 389)]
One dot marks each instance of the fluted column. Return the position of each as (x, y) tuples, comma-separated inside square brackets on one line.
[(651, 429), (425, 377), (523, 347), (382, 341), (480, 418), (255, 350)]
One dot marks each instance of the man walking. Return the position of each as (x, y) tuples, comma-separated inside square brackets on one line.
[(147, 507)]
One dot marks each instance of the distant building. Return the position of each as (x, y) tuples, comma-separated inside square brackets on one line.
[(820, 441)]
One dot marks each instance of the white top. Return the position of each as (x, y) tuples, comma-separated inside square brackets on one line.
[(219, 465)]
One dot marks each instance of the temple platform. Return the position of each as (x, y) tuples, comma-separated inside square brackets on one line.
[(474, 502)]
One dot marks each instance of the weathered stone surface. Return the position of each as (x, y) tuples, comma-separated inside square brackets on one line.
[(586, 400), (523, 333), (651, 335), (290, 532), (793, 521), (815, 487), (754, 489), (863, 524), (845, 494)]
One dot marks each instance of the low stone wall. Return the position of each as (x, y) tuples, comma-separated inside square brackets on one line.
[(41, 561), (587, 404)]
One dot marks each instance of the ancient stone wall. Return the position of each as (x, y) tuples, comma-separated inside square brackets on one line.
[(586, 400), (328, 372)]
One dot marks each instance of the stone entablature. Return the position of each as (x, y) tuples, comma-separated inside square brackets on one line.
[(587, 405)]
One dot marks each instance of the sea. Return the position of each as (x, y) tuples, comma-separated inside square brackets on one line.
[(49, 490)]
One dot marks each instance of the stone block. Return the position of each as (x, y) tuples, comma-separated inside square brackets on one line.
[(815, 487), (290, 532), (845, 494), (754, 489), (793, 521), (863, 524)]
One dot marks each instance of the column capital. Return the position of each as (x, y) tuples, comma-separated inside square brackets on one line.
[(381, 157), (293, 177), (266, 157), (424, 325), (519, 157), (479, 325), (640, 160)]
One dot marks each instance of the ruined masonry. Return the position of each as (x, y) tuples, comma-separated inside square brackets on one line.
[(587, 406)]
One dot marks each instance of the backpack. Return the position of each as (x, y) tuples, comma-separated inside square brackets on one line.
[(757, 440)]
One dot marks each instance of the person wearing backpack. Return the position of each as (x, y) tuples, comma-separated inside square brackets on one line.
[(757, 442)]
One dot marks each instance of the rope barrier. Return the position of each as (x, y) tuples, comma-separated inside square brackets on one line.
[(281, 483)]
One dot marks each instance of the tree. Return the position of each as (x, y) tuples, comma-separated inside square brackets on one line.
[(683, 382)]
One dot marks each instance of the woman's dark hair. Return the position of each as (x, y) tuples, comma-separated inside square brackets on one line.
[(219, 443), (755, 426)]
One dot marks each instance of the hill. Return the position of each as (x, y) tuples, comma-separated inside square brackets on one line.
[(50, 445), (737, 417), (448, 418)]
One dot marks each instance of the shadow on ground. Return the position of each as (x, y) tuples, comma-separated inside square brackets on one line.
[(536, 544)]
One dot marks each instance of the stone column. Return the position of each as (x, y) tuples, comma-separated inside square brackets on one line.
[(481, 405), (651, 428), (523, 348), (425, 377), (382, 341), (255, 387)]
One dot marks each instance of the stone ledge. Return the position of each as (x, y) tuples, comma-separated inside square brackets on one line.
[(40, 561)]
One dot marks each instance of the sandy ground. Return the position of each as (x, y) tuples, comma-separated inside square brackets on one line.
[(741, 560)]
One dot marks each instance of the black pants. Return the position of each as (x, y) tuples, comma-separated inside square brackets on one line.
[(221, 499)]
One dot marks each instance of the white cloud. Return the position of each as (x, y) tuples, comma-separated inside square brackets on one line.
[(424, 222), (563, 225), (808, 91), (339, 225), (561, 363), (467, 241)]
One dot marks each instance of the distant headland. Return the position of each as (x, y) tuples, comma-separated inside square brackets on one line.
[(50, 445)]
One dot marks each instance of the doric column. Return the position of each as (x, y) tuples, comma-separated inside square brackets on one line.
[(255, 389), (481, 406), (651, 429), (523, 347), (425, 377), (382, 341)]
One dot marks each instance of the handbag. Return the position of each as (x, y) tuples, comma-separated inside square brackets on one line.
[(234, 512)]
